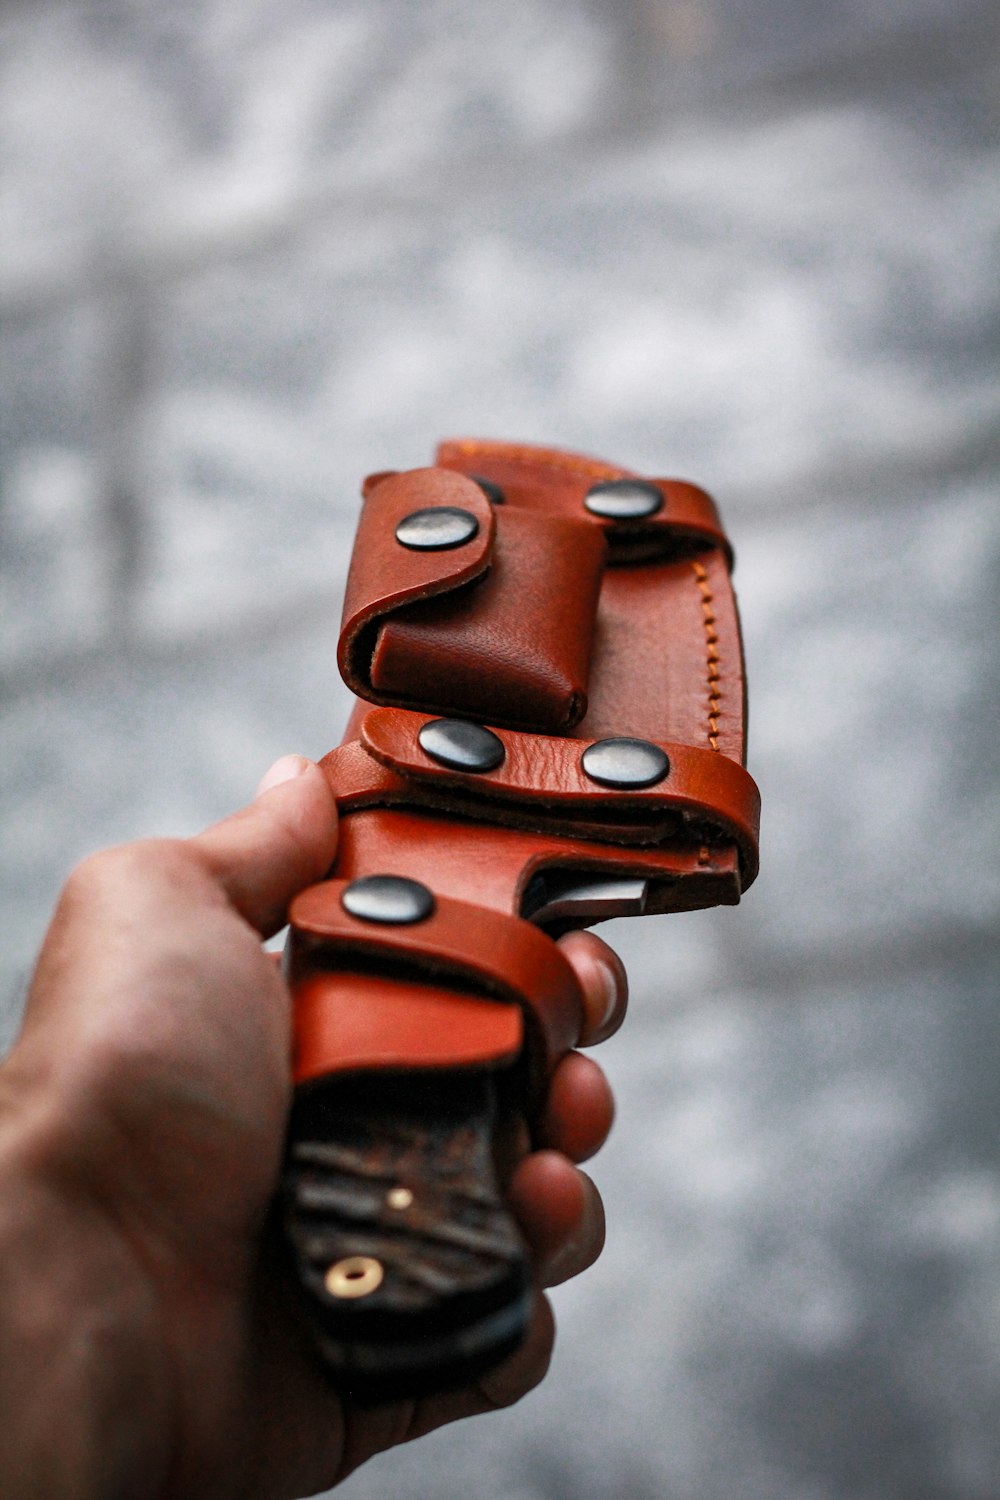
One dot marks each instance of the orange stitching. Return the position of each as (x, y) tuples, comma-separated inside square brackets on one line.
[(713, 674)]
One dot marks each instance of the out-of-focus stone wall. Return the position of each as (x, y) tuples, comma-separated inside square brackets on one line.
[(250, 252)]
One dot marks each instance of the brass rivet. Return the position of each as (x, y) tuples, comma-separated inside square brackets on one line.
[(399, 1197), (355, 1276)]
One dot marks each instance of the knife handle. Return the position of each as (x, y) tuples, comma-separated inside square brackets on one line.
[(425, 1028), (415, 1274)]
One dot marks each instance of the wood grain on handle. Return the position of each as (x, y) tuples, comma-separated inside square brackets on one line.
[(415, 1275)]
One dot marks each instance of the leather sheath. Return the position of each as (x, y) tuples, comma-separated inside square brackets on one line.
[(557, 626)]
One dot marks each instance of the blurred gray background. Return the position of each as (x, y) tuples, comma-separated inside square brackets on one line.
[(251, 251)]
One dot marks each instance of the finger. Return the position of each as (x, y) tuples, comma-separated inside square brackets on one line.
[(285, 840), (605, 985), (579, 1110), (499, 1387), (560, 1213)]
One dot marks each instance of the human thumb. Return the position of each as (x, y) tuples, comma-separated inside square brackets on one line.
[(285, 840)]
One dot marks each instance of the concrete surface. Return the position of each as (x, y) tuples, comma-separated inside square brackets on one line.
[(248, 253)]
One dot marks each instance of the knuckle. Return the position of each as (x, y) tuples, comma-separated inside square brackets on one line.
[(104, 875)]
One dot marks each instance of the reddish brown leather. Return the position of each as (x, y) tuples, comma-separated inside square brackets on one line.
[(384, 576), (458, 943), (498, 649), (557, 482), (499, 866), (346, 1022), (701, 787), (489, 623)]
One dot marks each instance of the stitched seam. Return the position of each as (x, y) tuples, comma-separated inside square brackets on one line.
[(713, 674)]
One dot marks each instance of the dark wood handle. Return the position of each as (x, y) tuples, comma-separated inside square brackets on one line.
[(415, 1275)]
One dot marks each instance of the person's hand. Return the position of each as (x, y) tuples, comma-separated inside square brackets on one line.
[(147, 1342)]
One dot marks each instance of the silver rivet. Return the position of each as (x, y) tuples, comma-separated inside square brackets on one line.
[(623, 499), (625, 762), (493, 492), (437, 528), (388, 898), (461, 746)]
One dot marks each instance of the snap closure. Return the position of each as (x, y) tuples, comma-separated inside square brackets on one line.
[(624, 763), (436, 528), (461, 746), (623, 499), (388, 898)]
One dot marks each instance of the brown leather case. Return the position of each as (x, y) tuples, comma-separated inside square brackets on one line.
[(581, 610)]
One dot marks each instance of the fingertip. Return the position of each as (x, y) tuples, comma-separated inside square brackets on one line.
[(286, 768), (560, 1213), (579, 1109), (582, 1244), (604, 984)]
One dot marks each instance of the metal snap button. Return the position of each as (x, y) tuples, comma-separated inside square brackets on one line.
[(623, 499), (436, 528), (461, 746), (388, 898), (625, 763)]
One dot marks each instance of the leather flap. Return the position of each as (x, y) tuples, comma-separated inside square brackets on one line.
[(458, 944), (502, 624), (385, 575), (515, 647), (347, 1022)]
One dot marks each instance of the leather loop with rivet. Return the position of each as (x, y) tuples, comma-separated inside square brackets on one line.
[(501, 957), (541, 783)]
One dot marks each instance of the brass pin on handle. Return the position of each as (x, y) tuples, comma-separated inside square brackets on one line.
[(354, 1276)]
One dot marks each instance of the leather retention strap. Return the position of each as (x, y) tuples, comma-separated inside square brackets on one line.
[(499, 647), (472, 628), (702, 785), (350, 1023), (557, 481), (499, 955)]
